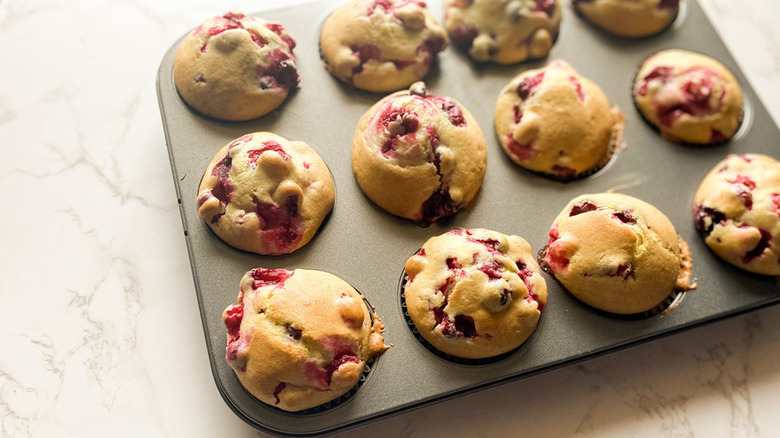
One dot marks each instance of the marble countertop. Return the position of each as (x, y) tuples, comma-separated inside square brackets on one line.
[(100, 330)]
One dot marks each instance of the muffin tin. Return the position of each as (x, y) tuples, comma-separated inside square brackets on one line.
[(368, 247)]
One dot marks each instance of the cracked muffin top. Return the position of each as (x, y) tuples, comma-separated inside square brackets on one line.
[(419, 156), (235, 67), (298, 339), (265, 194), (381, 45)]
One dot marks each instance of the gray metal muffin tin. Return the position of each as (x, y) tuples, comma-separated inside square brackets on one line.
[(368, 247)]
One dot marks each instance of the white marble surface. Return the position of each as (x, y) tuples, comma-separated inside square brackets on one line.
[(99, 327)]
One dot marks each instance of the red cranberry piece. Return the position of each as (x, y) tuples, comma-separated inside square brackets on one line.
[(223, 189), (625, 216), (556, 252), (659, 72), (563, 171), (775, 197), (257, 38), (254, 154), (577, 88), (364, 53), (624, 270), (700, 216), (464, 35), (269, 277), (437, 206), (520, 151), (518, 113), (760, 247), (278, 390), (528, 86), (505, 294), (464, 325), (582, 207), (436, 44), (421, 252), (200, 79), (450, 109), (282, 226), (282, 32), (546, 6), (453, 263), (281, 71), (743, 185), (492, 270), (233, 316), (717, 137), (293, 332)]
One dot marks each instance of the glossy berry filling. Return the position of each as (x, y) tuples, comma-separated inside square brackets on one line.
[(281, 226), (743, 186), (262, 277), (705, 219), (527, 87), (280, 73), (556, 253), (254, 154), (762, 245), (581, 207)]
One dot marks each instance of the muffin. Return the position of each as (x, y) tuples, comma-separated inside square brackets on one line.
[(419, 156), (474, 293), (236, 67), (736, 212), (628, 18), (381, 45), (555, 122), (503, 31), (617, 253), (688, 97), (265, 194), (298, 339)]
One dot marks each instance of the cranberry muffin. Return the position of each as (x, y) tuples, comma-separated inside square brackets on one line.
[(617, 253), (419, 156), (736, 211), (474, 293), (298, 339), (503, 31), (688, 97), (265, 194), (235, 67), (381, 45), (628, 18), (555, 122)]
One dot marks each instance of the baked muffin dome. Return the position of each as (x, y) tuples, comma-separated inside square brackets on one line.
[(617, 253), (736, 211), (381, 45), (474, 293), (628, 18), (298, 339), (688, 97), (419, 156), (503, 31), (234, 67), (556, 122), (265, 194)]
